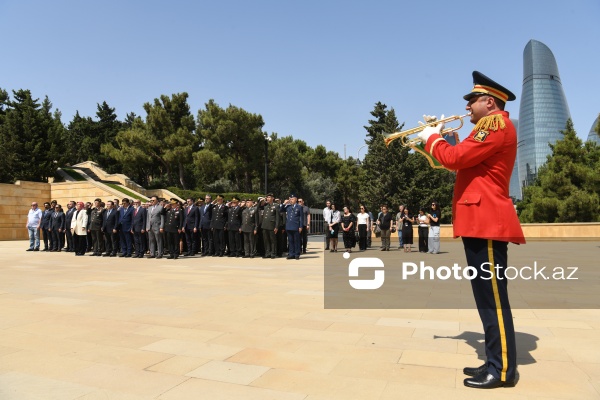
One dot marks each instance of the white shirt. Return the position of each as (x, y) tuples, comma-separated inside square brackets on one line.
[(335, 217), (33, 218), (327, 215), (362, 218)]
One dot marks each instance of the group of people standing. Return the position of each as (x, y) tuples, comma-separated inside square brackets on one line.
[(363, 223), (238, 228)]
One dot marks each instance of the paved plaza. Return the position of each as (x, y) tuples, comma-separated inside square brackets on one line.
[(229, 328)]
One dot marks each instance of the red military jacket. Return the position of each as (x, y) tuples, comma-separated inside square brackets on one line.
[(481, 207)]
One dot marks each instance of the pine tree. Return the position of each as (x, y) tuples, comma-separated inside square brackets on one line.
[(30, 137), (567, 188), (396, 175)]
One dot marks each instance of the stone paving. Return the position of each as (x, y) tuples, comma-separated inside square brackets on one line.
[(230, 328)]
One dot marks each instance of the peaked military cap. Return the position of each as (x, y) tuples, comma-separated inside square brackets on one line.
[(482, 85)]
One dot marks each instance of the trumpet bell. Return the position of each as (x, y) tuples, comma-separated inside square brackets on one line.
[(405, 136)]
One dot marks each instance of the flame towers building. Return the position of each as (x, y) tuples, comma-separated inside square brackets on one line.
[(593, 135), (543, 111)]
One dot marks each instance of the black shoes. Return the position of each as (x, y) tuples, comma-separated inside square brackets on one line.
[(486, 380), (470, 371)]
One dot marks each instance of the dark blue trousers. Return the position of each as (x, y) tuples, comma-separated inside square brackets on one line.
[(126, 242), (490, 289), (294, 243)]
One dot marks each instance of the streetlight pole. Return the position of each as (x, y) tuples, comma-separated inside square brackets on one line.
[(358, 154), (267, 140)]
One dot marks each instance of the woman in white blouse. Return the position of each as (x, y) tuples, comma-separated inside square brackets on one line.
[(334, 227), (363, 226)]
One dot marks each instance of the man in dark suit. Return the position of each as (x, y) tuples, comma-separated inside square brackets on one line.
[(109, 228), (138, 228), (125, 223), (205, 215), (191, 226), (57, 227), (68, 218), (45, 227), (234, 225), (270, 226), (217, 225)]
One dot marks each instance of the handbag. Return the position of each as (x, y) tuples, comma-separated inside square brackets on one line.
[(377, 229)]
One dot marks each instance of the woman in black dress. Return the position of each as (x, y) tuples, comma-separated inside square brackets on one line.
[(407, 230), (349, 226)]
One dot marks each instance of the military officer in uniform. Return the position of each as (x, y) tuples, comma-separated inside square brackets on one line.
[(234, 224), (281, 236), (484, 216), (259, 244), (173, 226), (249, 228), (270, 226), (96, 219), (217, 225), (293, 225)]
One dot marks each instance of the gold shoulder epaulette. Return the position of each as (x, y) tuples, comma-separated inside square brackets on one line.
[(490, 123)]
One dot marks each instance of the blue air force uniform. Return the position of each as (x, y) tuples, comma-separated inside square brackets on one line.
[(293, 225)]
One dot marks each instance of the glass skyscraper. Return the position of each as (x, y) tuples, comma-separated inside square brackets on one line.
[(593, 135), (514, 188), (543, 111)]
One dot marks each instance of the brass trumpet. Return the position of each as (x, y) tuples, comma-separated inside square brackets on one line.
[(408, 142)]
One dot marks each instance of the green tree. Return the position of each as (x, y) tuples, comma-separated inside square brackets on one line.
[(106, 129), (164, 142), (396, 175), (31, 137), (236, 136), (285, 166), (567, 188)]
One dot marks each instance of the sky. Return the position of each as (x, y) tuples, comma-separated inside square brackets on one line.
[(313, 69)]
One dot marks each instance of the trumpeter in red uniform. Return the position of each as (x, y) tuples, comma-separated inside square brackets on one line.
[(484, 216)]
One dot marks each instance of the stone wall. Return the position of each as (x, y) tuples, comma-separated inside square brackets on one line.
[(15, 204), (16, 201)]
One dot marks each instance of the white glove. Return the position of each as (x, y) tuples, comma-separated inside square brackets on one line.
[(430, 130), (428, 119)]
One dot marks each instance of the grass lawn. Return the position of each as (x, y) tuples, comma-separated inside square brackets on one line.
[(73, 174), (125, 191)]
